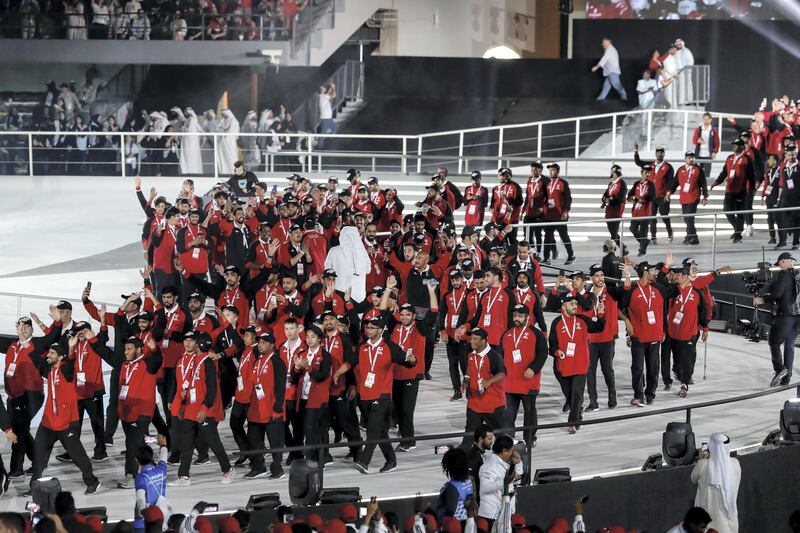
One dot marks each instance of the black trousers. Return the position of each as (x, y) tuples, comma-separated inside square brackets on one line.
[(789, 223), (613, 231), (550, 240), (293, 428), (227, 381), (685, 353), (575, 385), (496, 420), (315, 421), (404, 397), (377, 413), (134, 439), (560, 379), (430, 344), (162, 279), (666, 361), (70, 439), (748, 204), (639, 230), (188, 432), (734, 202), (112, 416), (238, 419), (535, 234), (644, 368), (456, 362), (22, 409), (602, 352), (529, 418), (343, 416), (772, 222), (256, 431), (783, 334), (689, 210), (660, 207), (163, 387), (94, 406)]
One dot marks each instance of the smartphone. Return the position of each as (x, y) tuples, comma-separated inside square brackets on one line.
[(704, 447), (441, 450), (561, 273), (274, 189), (211, 508), (585, 498), (289, 517), (362, 512), (32, 507), (89, 285)]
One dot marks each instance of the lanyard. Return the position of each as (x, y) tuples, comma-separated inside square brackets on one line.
[(18, 347), (457, 306), (330, 342), (130, 368), (478, 365), (401, 340), (551, 188), (642, 189), (736, 159), (689, 170), (290, 351), (520, 298), (373, 359), (612, 189), (229, 300), (145, 338), (173, 315), (263, 366), (248, 354), (518, 339), (646, 300), (571, 335), (83, 351), (192, 234), (491, 301), (684, 297), (54, 380)]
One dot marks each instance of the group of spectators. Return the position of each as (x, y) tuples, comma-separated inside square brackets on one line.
[(150, 19), (679, 9)]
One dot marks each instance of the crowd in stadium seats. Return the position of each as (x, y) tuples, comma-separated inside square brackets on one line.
[(151, 19)]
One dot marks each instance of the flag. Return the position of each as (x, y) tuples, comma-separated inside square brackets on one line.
[(222, 104)]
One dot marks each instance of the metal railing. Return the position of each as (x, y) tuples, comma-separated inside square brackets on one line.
[(691, 86), (349, 82), (561, 139)]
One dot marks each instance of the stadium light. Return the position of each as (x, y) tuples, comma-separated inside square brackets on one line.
[(501, 51)]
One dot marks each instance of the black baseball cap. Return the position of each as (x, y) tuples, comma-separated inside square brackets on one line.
[(63, 304), (689, 154), (137, 300), (234, 269), (554, 165), (595, 268), (537, 164), (408, 307), (467, 231), (197, 296), (522, 309), (567, 297), (783, 256), (329, 273), (480, 332), (136, 341), (577, 274), (455, 274), (267, 337), (467, 264), (475, 175), (145, 315), (641, 267), (25, 320), (375, 323), (58, 348)]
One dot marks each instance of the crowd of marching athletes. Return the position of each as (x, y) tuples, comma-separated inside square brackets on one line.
[(323, 328)]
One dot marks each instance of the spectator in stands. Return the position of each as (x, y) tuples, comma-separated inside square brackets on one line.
[(78, 146), (717, 476), (179, 27), (647, 89), (28, 13), (100, 19), (217, 28), (242, 29), (71, 104), (695, 520), (120, 23), (656, 62), (76, 23), (140, 27), (671, 70), (454, 494), (327, 94), (611, 71), (685, 59)]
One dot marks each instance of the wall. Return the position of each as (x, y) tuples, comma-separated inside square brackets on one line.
[(23, 77), (745, 66)]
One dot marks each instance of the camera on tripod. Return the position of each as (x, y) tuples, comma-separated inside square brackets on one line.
[(754, 283)]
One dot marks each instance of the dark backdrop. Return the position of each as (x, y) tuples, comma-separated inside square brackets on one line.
[(745, 65)]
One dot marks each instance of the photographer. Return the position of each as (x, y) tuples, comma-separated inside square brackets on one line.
[(782, 293)]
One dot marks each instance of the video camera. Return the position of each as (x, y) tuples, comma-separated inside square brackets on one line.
[(754, 282)]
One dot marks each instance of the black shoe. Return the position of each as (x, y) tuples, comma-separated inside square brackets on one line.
[(786, 380), (99, 457), (737, 240), (570, 260), (328, 460), (28, 492), (565, 408), (641, 253), (204, 460), (428, 376), (92, 488), (174, 459), (669, 239), (361, 467), (686, 240), (612, 401), (772, 241), (668, 387), (456, 396), (277, 475), (241, 460), (255, 474), (16, 474), (780, 245), (64, 458), (388, 467), (592, 407), (29, 471), (695, 242), (654, 241), (555, 254), (337, 437), (776, 380)]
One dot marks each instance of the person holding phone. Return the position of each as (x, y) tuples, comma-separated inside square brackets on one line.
[(717, 476), (502, 467)]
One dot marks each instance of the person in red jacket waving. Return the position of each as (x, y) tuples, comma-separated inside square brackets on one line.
[(569, 344), (524, 356), (483, 386), (739, 176), (642, 194), (687, 315), (311, 374), (691, 185)]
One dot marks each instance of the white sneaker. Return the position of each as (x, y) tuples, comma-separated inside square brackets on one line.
[(180, 482), (227, 477), (749, 231)]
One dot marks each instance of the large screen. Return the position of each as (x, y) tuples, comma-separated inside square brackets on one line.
[(684, 9)]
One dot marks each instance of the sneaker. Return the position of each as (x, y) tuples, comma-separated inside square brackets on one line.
[(337, 437), (28, 492), (109, 444), (786, 380), (651, 401), (127, 484), (781, 245), (29, 471), (456, 396), (181, 481), (772, 241), (637, 403), (667, 387), (174, 459), (99, 458), (654, 241), (401, 448), (641, 254), (776, 380), (64, 458), (565, 407), (669, 239), (16, 474), (277, 475), (428, 376), (328, 460), (92, 488), (612, 401), (242, 459), (361, 467), (555, 254), (570, 260), (691, 381), (684, 391), (388, 467), (572, 430), (592, 407), (255, 474), (202, 460), (228, 477), (737, 240)]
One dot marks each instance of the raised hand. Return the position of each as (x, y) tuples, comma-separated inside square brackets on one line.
[(138, 182), (146, 272), (54, 314), (153, 193), (391, 282)]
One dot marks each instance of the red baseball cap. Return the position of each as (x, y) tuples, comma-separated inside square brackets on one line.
[(315, 521), (451, 525), (347, 512), (334, 525), (152, 514), (203, 525)]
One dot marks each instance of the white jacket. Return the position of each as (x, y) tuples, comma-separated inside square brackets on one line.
[(492, 474)]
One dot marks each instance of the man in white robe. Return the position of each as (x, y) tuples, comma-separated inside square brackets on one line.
[(351, 263), (669, 72), (685, 59), (227, 147)]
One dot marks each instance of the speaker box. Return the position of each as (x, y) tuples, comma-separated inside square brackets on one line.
[(543, 476), (341, 495), (304, 482), (102, 512), (269, 500), (678, 444), (790, 420)]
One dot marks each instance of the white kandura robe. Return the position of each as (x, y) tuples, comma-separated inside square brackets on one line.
[(227, 147), (191, 159), (351, 263), (711, 498)]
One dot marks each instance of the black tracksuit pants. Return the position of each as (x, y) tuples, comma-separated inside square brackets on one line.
[(550, 240), (660, 207), (112, 417), (644, 369), (342, 416), (238, 419), (94, 406), (134, 439), (666, 360), (377, 413), (685, 353), (575, 385), (273, 431), (456, 362), (689, 210), (188, 431), (404, 397), (70, 439), (22, 409), (530, 416), (603, 353), (639, 230), (496, 420), (315, 421)]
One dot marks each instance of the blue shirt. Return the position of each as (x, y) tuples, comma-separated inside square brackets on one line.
[(153, 481)]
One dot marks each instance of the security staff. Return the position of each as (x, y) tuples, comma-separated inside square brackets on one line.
[(783, 294)]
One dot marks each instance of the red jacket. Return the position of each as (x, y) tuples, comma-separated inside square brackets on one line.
[(559, 199), (714, 148), (570, 335), (646, 312), (691, 184), (523, 348), (61, 405), (244, 379), (494, 313), (642, 194), (687, 314), (474, 209), (88, 369), (454, 310), (269, 385), (162, 249), (194, 259), (313, 384), (237, 298), (737, 174), (536, 196), (375, 368), (485, 366), (614, 198), (173, 325), (411, 341), (24, 376), (288, 353), (611, 315), (340, 350), (318, 248)]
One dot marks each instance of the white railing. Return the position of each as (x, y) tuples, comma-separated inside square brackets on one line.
[(607, 135)]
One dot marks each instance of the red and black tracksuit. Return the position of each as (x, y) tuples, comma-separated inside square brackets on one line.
[(535, 203), (454, 313), (601, 345), (613, 200), (663, 177), (475, 208), (769, 194), (342, 414), (686, 316), (484, 404), (738, 175), (161, 255), (642, 195), (313, 386), (265, 414), (559, 203), (25, 389), (644, 306), (691, 186), (789, 196), (569, 345), (90, 388), (494, 314), (524, 348)]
